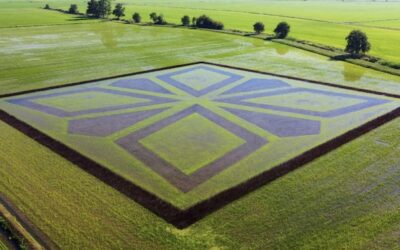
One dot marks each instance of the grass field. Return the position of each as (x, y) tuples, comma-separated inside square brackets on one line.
[(333, 19), (15, 13), (346, 199), (36, 57), (357, 206)]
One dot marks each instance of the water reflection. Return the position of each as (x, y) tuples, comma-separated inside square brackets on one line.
[(109, 34), (352, 73), (282, 50)]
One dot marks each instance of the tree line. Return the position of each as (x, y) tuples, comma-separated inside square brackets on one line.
[(357, 41)]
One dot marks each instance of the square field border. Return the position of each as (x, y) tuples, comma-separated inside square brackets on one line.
[(184, 218)]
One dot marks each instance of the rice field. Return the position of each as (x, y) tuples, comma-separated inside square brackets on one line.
[(348, 198), (333, 19)]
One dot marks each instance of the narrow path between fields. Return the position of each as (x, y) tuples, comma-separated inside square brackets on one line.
[(352, 23)]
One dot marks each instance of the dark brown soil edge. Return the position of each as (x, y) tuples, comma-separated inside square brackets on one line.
[(200, 210), (36, 239), (158, 206), (184, 218)]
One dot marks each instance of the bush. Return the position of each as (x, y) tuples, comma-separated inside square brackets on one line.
[(136, 17), (92, 7), (73, 9), (258, 27), (194, 19), (99, 9), (157, 19), (208, 23), (153, 16), (47, 7), (160, 20), (185, 20), (282, 30), (119, 10)]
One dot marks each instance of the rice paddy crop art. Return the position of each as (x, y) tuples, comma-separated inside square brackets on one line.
[(186, 135)]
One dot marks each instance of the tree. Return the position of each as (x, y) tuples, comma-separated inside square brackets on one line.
[(208, 23), (185, 20), (92, 7), (73, 9), (157, 19), (136, 17), (119, 10), (282, 30), (194, 20), (259, 27), (160, 20), (47, 7), (153, 16), (104, 8), (357, 43)]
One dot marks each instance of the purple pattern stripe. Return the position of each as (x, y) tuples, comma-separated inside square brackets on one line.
[(366, 102), (29, 102), (140, 84), (173, 175)]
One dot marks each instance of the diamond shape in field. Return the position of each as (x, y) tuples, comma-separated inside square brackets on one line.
[(192, 142), (90, 100), (182, 148), (200, 80), (307, 101)]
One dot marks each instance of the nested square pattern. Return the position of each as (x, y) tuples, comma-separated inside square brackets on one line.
[(188, 133)]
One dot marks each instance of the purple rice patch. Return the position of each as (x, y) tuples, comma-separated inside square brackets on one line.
[(279, 125), (107, 125), (257, 84), (366, 102), (141, 84)]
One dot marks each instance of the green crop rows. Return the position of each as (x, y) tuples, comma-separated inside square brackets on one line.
[(179, 142), (345, 199)]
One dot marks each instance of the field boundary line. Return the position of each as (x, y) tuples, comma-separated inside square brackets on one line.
[(39, 238), (245, 12), (344, 23), (184, 218)]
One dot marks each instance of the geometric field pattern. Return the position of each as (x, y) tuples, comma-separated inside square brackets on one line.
[(188, 136)]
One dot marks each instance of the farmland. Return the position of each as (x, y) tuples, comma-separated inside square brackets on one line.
[(348, 198), (333, 19), (173, 106), (91, 51)]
